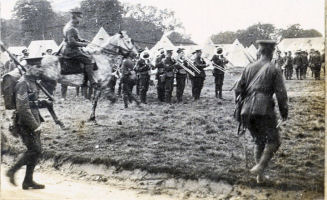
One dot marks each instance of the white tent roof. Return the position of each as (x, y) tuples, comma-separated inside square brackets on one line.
[(208, 48), (16, 50), (305, 44), (235, 54), (252, 51), (164, 42), (37, 47), (102, 37), (238, 44)]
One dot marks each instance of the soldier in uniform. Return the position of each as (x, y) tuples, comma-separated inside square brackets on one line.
[(315, 63), (259, 82), (73, 44), (25, 55), (181, 75), (143, 67), (305, 63), (159, 65), (27, 124), (198, 79), (298, 64), (289, 66), (219, 60), (169, 63), (279, 61), (127, 79)]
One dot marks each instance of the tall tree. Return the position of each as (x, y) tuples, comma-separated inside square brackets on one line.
[(101, 13), (35, 16), (295, 31), (226, 37)]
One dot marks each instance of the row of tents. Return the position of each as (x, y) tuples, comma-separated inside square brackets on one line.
[(236, 53)]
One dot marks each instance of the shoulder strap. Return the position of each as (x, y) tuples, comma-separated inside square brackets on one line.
[(256, 77)]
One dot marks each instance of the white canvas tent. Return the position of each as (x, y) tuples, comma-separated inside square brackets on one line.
[(164, 42), (238, 44), (37, 47), (305, 44), (102, 37), (252, 50)]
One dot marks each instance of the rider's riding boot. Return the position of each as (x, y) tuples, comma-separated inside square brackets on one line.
[(90, 75), (268, 153), (28, 180)]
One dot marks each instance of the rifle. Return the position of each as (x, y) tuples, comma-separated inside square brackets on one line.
[(48, 105)]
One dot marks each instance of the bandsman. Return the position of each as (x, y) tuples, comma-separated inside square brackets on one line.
[(181, 74), (169, 64), (219, 63), (198, 79), (159, 65), (315, 63), (289, 66), (305, 63), (143, 68)]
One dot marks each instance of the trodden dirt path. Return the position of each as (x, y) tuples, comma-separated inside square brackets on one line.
[(62, 187)]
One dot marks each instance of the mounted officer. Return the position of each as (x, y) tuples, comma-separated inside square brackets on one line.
[(72, 48), (219, 60), (259, 82)]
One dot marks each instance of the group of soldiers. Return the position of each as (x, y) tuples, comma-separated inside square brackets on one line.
[(300, 64), (135, 70)]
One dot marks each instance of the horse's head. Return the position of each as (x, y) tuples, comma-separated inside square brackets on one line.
[(121, 43)]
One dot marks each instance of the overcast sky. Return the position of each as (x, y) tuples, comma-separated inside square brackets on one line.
[(202, 18)]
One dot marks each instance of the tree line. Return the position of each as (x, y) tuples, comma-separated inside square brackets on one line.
[(36, 20), (263, 31)]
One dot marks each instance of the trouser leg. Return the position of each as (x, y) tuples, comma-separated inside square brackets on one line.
[(180, 88), (169, 83)]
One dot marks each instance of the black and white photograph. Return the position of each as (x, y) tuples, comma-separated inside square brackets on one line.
[(162, 99)]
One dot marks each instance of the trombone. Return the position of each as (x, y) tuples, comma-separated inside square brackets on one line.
[(190, 63), (180, 63)]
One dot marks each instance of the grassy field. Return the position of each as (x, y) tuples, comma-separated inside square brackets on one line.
[(189, 140)]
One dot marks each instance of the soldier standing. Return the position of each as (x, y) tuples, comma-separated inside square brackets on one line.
[(198, 79), (159, 65), (289, 66), (315, 63), (298, 65), (259, 82), (127, 79), (181, 75), (73, 44), (169, 64), (143, 67), (27, 125), (219, 63), (305, 63)]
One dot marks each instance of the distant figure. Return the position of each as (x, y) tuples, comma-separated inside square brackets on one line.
[(298, 64), (305, 62), (315, 63), (289, 66), (143, 67), (255, 90), (181, 74), (169, 63), (160, 74)]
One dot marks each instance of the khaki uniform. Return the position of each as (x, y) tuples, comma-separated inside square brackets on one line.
[(143, 69), (159, 65), (169, 78), (198, 79), (127, 82)]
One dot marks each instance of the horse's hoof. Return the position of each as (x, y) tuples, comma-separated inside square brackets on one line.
[(91, 119)]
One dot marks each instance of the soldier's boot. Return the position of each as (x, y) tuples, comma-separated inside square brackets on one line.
[(91, 76), (268, 153), (12, 171), (125, 98), (143, 99), (220, 94), (257, 155), (28, 180), (216, 93)]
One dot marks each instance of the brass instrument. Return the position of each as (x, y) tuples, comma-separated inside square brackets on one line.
[(180, 62), (191, 64)]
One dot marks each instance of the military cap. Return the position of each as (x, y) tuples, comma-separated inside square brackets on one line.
[(76, 13), (169, 50), (25, 51), (278, 51), (140, 50), (145, 55), (161, 50), (180, 50), (267, 43), (49, 50), (196, 51), (219, 50)]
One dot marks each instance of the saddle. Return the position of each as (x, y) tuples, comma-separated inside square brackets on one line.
[(71, 66)]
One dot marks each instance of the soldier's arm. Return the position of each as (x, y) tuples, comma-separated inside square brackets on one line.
[(281, 94), (71, 34), (23, 107), (240, 85)]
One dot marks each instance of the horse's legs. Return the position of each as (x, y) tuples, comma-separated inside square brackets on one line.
[(90, 92), (94, 105)]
